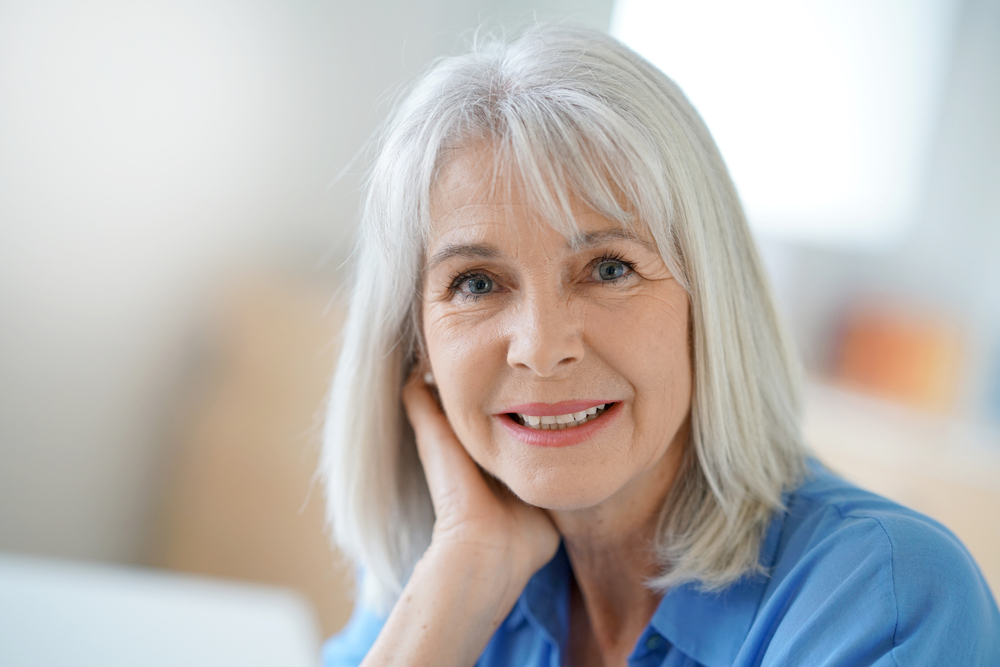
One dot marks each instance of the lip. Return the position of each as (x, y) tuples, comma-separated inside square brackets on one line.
[(565, 437)]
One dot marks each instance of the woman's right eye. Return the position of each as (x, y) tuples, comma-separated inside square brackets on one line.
[(473, 285)]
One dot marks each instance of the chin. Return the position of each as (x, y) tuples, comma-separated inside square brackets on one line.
[(564, 489)]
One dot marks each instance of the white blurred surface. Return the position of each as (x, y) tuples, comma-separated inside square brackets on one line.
[(64, 613)]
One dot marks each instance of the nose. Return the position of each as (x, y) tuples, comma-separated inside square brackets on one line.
[(546, 335)]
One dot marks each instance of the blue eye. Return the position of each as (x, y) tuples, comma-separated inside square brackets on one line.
[(611, 270), (479, 285)]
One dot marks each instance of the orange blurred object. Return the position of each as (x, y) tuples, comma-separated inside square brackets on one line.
[(908, 356)]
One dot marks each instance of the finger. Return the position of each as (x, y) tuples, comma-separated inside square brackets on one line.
[(446, 463)]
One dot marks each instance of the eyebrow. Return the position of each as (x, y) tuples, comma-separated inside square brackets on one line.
[(606, 235), (482, 251), (463, 250)]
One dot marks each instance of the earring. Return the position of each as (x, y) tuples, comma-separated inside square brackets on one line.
[(429, 378)]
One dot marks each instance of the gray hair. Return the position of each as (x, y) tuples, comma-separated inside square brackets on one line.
[(569, 112)]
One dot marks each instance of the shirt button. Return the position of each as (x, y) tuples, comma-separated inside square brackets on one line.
[(654, 642)]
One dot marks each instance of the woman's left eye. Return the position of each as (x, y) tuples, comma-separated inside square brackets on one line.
[(479, 285), (610, 270)]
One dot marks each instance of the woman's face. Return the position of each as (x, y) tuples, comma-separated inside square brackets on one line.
[(523, 325)]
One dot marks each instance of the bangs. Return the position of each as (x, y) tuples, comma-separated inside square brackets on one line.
[(561, 146)]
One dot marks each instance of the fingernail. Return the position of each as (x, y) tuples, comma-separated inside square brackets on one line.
[(429, 377)]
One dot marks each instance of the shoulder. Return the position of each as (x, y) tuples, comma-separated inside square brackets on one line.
[(876, 581), (827, 514)]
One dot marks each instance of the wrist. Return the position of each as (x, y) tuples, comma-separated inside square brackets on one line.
[(488, 581), (448, 611)]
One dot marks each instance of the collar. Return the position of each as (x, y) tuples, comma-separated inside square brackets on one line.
[(708, 627), (545, 601), (712, 627)]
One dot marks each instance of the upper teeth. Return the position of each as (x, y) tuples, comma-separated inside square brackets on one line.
[(558, 422)]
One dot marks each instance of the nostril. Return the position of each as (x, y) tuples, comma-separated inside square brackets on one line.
[(544, 355)]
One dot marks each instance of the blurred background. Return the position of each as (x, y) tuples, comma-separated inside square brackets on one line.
[(179, 184)]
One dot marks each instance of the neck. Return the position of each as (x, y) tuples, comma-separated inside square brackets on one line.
[(611, 551), (609, 576)]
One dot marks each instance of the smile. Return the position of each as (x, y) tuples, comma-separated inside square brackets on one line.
[(574, 422), (560, 422)]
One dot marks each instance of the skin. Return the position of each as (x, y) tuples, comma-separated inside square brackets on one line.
[(550, 327)]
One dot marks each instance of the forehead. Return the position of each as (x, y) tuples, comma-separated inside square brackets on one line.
[(475, 195), (470, 184)]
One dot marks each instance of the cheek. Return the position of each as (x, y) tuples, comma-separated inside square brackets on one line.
[(466, 354), (649, 347)]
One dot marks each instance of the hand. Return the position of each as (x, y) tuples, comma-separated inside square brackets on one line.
[(485, 546), (475, 514)]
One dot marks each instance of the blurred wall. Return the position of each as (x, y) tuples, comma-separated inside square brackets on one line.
[(948, 264), (151, 153)]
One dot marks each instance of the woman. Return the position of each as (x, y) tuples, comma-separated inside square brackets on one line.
[(600, 459)]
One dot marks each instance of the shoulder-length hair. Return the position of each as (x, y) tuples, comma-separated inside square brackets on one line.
[(569, 112)]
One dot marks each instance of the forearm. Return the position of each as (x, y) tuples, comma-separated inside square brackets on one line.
[(449, 609)]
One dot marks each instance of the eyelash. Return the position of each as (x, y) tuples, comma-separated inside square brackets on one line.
[(456, 282)]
